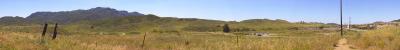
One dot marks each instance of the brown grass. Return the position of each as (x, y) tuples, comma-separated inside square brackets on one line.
[(381, 39)]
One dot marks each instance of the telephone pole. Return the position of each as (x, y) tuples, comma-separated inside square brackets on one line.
[(341, 18)]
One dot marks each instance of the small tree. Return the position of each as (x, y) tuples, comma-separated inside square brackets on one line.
[(226, 28)]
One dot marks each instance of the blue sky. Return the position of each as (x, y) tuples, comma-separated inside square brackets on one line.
[(326, 11)]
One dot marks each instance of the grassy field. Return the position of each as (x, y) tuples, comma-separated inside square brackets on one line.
[(28, 38), (386, 38)]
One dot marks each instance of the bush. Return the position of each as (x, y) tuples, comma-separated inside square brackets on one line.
[(226, 28)]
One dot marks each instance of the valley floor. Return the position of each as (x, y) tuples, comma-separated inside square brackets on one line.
[(369, 40)]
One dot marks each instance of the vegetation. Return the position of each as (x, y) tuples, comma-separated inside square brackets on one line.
[(386, 38), (159, 41), (226, 28), (169, 33)]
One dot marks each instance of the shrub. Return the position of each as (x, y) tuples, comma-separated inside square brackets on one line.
[(226, 28)]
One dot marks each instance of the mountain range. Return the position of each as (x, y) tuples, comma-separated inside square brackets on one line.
[(78, 15)]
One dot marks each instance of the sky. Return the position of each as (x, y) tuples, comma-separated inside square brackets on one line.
[(326, 11)]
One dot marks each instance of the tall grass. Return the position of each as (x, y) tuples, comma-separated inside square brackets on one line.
[(163, 41), (26, 38), (386, 38)]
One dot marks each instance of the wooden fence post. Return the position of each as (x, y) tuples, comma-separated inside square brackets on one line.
[(144, 38), (55, 32), (44, 30), (237, 39)]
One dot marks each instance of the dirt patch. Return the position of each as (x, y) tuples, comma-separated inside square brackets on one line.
[(1, 39), (105, 47), (343, 45)]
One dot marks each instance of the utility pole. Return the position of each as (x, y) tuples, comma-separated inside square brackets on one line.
[(341, 18)]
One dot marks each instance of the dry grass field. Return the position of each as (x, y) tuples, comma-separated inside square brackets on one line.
[(380, 39)]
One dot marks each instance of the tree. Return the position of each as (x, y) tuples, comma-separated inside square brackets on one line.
[(226, 28)]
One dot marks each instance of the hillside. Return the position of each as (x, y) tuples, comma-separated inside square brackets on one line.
[(79, 15), (101, 19)]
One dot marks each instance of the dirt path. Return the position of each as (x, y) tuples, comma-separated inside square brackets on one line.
[(343, 45)]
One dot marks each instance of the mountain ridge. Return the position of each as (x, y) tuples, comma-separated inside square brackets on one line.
[(78, 15)]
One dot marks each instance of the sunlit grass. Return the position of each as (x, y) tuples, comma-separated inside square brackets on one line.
[(380, 39), (163, 41), (386, 38)]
